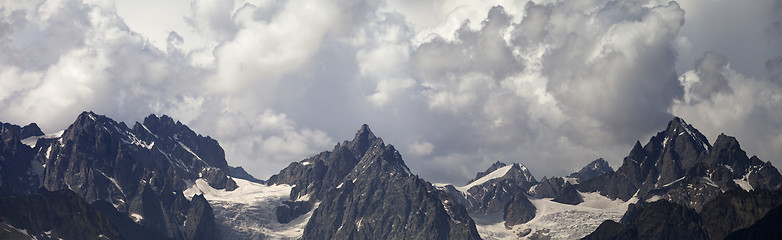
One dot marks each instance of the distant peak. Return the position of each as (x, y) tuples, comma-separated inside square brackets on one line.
[(91, 116), (364, 130), (518, 166), (676, 123), (725, 141), (364, 133), (678, 127), (497, 164), (31, 129), (153, 119)]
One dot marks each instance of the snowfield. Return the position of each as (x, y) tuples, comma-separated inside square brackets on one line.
[(249, 211), (500, 172), (556, 220)]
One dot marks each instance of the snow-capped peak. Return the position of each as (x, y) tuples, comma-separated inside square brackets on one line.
[(493, 175)]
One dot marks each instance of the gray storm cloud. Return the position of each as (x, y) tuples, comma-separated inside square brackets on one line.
[(455, 85)]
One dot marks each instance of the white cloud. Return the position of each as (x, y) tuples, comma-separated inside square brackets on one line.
[(421, 148), (551, 84), (751, 111)]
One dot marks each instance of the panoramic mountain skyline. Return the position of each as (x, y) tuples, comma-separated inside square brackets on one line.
[(455, 85)]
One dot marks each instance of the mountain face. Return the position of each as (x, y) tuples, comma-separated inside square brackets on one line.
[(240, 173), (593, 169), (658, 220), (499, 189), (56, 215), (765, 228), (491, 191), (727, 214), (737, 209), (19, 174), (679, 165), (140, 171), (103, 178), (367, 192), (312, 177)]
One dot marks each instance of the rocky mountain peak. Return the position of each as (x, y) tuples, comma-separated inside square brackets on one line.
[(19, 173), (595, 168), (519, 171), (30, 130), (680, 166), (362, 142), (638, 151), (364, 133), (13, 131), (726, 142), (496, 165), (378, 198), (678, 127), (135, 170)]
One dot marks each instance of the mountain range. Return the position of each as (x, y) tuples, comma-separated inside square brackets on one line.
[(101, 179)]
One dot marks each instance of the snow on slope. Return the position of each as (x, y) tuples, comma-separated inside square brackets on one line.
[(30, 141), (249, 211), (493, 175), (559, 221)]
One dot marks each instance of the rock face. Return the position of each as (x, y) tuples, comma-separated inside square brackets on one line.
[(519, 210), (593, 169), (200, 223), (658, 220), (568, 195), (729, 212), (135, 169), (548, 188), (679, 165), (765, 228), (499, 189), (60, 214), (737, 209), (240, 173), (20, 174), (314, 176), (125, 226), (367, 192), (492, 191), (496, 165)]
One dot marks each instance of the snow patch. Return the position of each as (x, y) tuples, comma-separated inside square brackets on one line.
[(654, 198), (493, 175), (190, 151), (150, 132), (671, 183), (744, 182), (709, 182), (136, 217), (665, 141), (30, 141), (574, 181), (562, 221), (249, 211), (48, 152), (691, 131), (113, 181)]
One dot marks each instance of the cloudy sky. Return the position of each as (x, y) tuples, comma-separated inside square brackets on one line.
[(453, 84)]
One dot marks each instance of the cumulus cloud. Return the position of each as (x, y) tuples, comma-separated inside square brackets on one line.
[(750, 111), (461, 84), (421, 148)]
